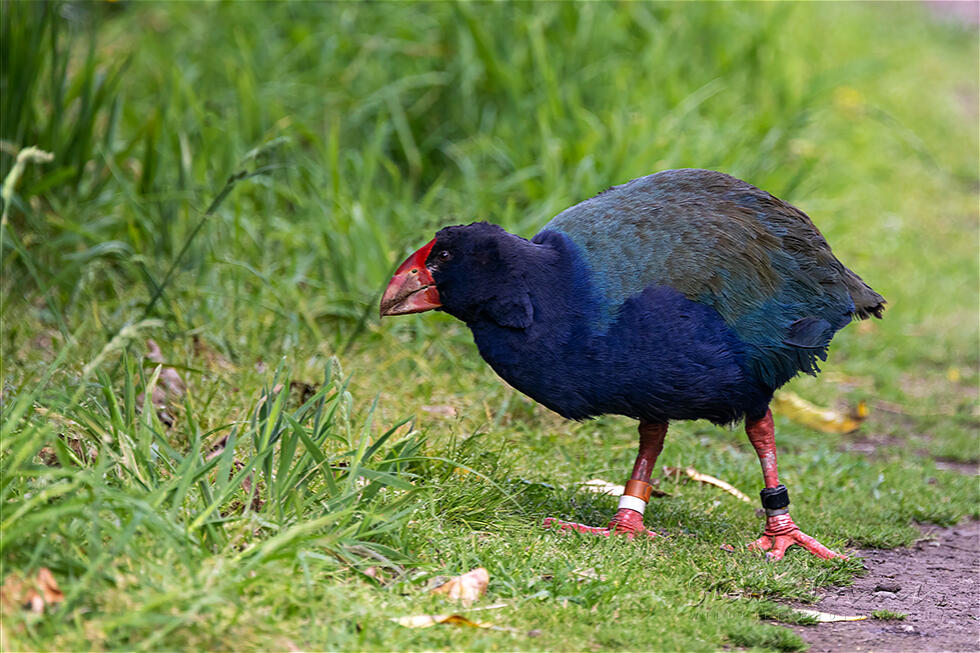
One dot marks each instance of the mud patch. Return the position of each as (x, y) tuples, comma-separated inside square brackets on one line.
[(958, 466), (936, 583)]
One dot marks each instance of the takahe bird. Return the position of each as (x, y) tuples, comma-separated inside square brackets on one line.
[(686, 294)]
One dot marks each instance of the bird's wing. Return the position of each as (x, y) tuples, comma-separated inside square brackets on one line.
[(758, 261)]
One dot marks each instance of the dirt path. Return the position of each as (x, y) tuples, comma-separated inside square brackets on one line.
[(936, 583)]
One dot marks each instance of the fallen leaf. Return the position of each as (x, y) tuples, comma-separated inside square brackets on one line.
[(304, 390), (694, 474), (217, 449), (172, 384), (427, 620), (380, 574), (70, 436), (31, 595), (825, 420), (49, 587), (85, 454), (589, 573), (824, 617), (466, 588), (169, 388), (236, 466)]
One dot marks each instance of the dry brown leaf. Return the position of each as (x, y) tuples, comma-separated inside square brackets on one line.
[(173, 385), (825, 617), (427, 620), (380, 574), (68, 436), (694, 474), (12, 592), (825, 420), (85, 454), (49, 587), (169, 388), (217, 449), (588, 573), (303, 389), (31, 595), (466, 588)]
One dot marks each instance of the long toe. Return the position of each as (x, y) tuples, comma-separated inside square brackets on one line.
[(564, 526), (815, 547), (776, 545), (613, 529)]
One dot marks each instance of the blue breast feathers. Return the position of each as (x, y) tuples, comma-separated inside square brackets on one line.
[(656, 356)]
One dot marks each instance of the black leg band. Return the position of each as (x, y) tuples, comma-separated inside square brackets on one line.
[(774, 498)]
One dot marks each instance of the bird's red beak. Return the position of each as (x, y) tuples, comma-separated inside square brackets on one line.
[(412, 289)]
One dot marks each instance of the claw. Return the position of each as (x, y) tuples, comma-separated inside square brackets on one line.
[(626, 522), (782, 533)]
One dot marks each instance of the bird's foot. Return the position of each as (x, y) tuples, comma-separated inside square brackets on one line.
[(625, 522), (781, 533)]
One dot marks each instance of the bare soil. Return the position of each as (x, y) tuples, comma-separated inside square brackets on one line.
[(936, 583)]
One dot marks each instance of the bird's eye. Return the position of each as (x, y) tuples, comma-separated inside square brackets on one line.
[(444, 255)]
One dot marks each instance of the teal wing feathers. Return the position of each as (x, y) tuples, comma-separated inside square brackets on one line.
[(761, 263)]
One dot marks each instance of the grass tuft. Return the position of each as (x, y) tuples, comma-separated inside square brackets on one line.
[(888, 614)]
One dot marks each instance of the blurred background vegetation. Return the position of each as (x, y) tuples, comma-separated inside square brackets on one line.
[(239, 180)]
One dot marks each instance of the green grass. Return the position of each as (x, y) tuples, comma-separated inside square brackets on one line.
[(238, 182), (888, 614)]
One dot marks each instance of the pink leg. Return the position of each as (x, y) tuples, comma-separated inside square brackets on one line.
[(781, 533), (628, 521)]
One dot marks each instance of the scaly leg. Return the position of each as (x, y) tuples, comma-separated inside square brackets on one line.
[(628, 520), (781, 533)]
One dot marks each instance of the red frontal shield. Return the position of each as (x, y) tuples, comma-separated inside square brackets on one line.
[(412, 288)]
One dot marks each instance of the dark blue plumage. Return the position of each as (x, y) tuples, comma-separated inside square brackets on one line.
[(682, 295), (687, 294)]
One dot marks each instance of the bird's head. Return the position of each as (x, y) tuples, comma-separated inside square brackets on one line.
[(471, 272)]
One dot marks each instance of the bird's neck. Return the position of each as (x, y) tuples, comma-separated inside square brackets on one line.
[(563, 324)]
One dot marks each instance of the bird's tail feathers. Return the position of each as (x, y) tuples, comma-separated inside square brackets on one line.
[(866, 301)]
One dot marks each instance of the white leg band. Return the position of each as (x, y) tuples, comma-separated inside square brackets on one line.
[(633, 503)]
